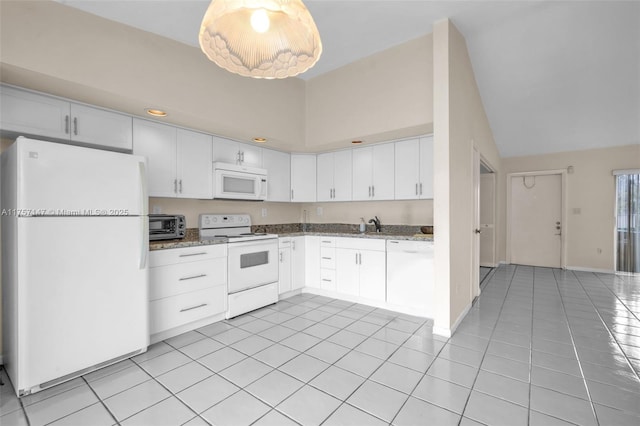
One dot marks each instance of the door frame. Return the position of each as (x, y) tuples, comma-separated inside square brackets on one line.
[(563, 208)]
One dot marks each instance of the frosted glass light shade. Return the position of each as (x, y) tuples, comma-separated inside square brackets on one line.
[(285, 45)]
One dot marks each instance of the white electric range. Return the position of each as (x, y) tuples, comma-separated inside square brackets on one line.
[(252, 262)]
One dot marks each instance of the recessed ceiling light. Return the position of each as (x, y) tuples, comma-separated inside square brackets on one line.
[(156, 112), (356, 142), (260, 140)]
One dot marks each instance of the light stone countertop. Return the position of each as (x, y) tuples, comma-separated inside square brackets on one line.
[(194, 242)]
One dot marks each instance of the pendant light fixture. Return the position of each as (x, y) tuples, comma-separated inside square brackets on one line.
[(260, 38)]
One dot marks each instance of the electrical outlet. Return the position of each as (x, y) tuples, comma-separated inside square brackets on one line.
[(156, 210), (264, 212), (577, 210), (319, 211)]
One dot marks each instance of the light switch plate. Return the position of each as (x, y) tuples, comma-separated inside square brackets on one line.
[(264, 212), (319, 211)]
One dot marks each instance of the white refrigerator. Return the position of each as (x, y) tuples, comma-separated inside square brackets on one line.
[(74, 261)]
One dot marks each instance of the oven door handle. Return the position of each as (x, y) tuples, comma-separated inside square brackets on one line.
[(254, 244)]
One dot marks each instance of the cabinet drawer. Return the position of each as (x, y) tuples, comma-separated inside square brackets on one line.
[(171, 280), (327, 257), (186, 254), (361, 244), (327, 241), (328, 279), (171, 312)]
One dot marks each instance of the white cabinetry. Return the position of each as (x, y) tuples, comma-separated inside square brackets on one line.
[(328, 263), (178, 160), (312, 261), (414, 169), (284, 265), (232, 152), (291, 263), (334, 176), (187, 288), (373, 172), (361, 268), (410, 275), (303, 177), (278, 165), (32, 114)]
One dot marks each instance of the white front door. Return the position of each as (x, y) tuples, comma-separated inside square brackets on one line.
[(536, 220)]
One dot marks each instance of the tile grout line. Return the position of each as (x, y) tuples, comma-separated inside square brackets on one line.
[(575, 350), (464, 408), (533, 301), (609, 330)]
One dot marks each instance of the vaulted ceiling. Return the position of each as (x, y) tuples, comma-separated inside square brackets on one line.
[(554, 76)]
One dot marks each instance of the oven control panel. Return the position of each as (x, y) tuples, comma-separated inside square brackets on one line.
[(224, 220)]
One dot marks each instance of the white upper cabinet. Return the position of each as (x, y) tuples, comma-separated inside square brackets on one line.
[(278, 165), (194, 166), (414, 169), (334, 176), (303, 178), (373, 172), (32, 114), (99, 127), (178, 160), (157, 142), (232, 152)]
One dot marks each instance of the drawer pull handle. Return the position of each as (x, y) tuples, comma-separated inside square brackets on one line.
[(327, 258), (193, 254), (193, 277), (193, 307), (324, 279), (328, 242)]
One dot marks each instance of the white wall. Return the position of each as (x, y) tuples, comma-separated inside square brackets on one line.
[(591, 189)]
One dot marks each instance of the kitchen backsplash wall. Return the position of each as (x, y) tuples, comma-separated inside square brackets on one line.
[(410, 212), (413, 212)]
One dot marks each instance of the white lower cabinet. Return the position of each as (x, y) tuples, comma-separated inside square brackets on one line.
[(187, 286), (312, 261), (292, 262), (360, 268), (410, 275), (284, 265)]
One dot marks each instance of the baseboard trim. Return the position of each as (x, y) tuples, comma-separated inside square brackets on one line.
[(581, 269), (448, 332)]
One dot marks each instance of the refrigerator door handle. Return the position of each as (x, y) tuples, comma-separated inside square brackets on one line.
[(144, 238), (144, 200)]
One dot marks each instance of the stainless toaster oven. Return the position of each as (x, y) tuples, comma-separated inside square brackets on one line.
[(166, 226)]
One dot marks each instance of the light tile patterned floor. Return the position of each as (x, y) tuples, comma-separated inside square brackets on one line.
[(540, 347)]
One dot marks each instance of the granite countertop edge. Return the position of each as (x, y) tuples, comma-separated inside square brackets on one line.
[(173, 244)]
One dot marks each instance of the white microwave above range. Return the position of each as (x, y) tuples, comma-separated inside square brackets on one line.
[(235, 182)]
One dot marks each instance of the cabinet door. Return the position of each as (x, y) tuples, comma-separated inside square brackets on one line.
[(226, 151), (194, 167), (157, 142), (383, 167), (342, 164), (325, 164), (31, 114), (251, 155), (312, 261), (373, 275), (99, 127), (407, 169), (362, 172), (278, 165), (297, 263), (347, 272), (426, 167), (303, 178), (284, 270)]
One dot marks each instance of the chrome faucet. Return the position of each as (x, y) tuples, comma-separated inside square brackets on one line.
[(377, 223)]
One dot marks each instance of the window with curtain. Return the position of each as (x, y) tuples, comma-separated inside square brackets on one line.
[(628, 220)]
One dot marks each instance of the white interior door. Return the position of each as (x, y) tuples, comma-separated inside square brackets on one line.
[(475, 253), (487, 219), (536, 220)]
